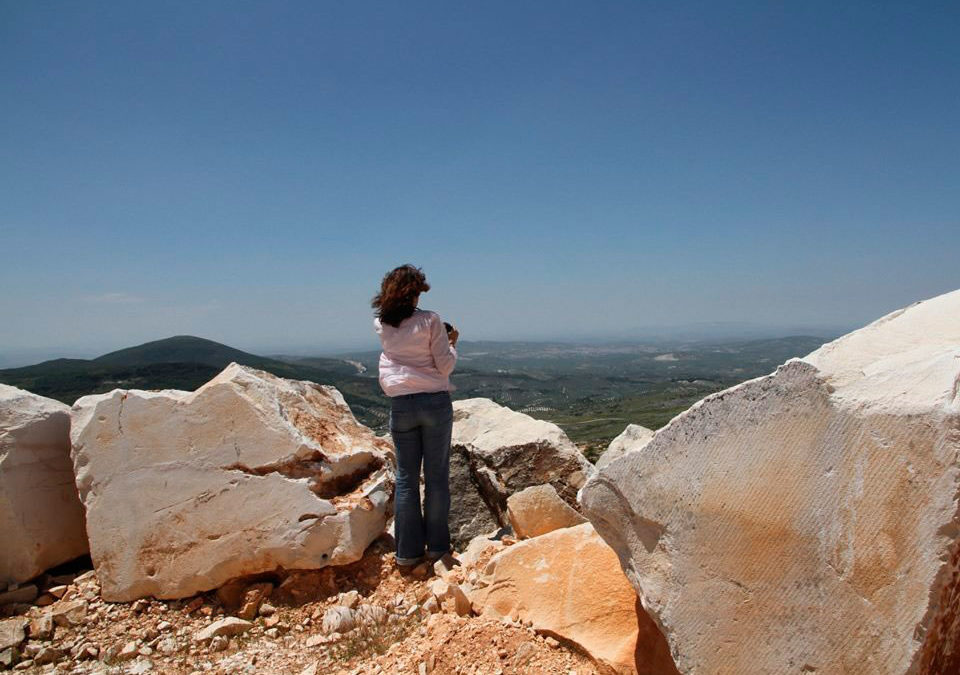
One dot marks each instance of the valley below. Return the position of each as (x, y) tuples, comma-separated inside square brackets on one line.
[(592, 391)]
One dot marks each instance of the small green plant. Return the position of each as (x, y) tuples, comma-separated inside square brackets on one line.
[(371, 639)]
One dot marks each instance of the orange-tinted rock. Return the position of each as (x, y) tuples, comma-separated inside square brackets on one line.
[(538, 510), (569, 584)]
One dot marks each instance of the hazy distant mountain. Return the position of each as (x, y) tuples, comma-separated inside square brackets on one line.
[(179, 349)]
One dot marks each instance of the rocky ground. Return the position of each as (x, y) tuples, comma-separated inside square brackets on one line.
[(365, 617)]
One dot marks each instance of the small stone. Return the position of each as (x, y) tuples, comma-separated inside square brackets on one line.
[(193, 605), (12, 632), (167, 646), (140, 606), (140, 666), (271, 621), (450, 597), (316, 640), (57, 591), (26, 664), (87, 652), (8, 657), (525, 652), (231, 625), (311, 669), (266, 609), (128, 652), (445, 565), (431, 606), (149, 634), (89, 575), (552, 643), (45, 600), (272, 633), (164, 625), (219, 643), (349, 599), (48, 655), (145, 650), (422, 668)]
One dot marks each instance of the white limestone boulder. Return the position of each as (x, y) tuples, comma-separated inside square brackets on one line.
[(250, 473), (631, 439), (41, 518), (496, 452), (806, 521)]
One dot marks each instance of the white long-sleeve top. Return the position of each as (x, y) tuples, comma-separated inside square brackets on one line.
[(417, 355)]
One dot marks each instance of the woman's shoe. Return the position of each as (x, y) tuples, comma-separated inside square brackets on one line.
[(409, 563), (433, 556)]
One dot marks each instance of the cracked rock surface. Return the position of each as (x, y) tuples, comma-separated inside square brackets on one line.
[(806, 521), (41, 519), (496, 452), (250, 473)]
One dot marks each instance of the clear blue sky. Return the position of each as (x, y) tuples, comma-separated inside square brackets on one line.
[(248, 171)]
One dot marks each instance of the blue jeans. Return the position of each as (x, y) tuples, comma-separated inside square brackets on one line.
[(421, 425)]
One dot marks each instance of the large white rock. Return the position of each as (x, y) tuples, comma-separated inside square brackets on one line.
[(806, 521), (632, 439), (250, 473), (495, 452), (41, 518)]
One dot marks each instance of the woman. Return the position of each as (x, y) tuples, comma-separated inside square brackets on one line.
[(418, 356)]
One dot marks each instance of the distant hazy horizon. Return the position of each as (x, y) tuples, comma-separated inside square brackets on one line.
[(247, 172), (668, 335)]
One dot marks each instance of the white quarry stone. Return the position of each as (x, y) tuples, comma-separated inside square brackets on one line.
[(632, 439), (806, 521), (496, 452), (496, 433), (187, 490), (41, 518)]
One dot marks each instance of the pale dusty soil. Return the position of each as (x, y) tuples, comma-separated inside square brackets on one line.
[(411, 640)]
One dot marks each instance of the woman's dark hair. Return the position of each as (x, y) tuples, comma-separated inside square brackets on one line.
[(398, 291)]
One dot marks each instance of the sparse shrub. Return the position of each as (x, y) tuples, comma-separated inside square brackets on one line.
[(369, 639)]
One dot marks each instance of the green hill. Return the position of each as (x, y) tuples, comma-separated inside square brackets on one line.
[(179, 349), (186, 362)]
